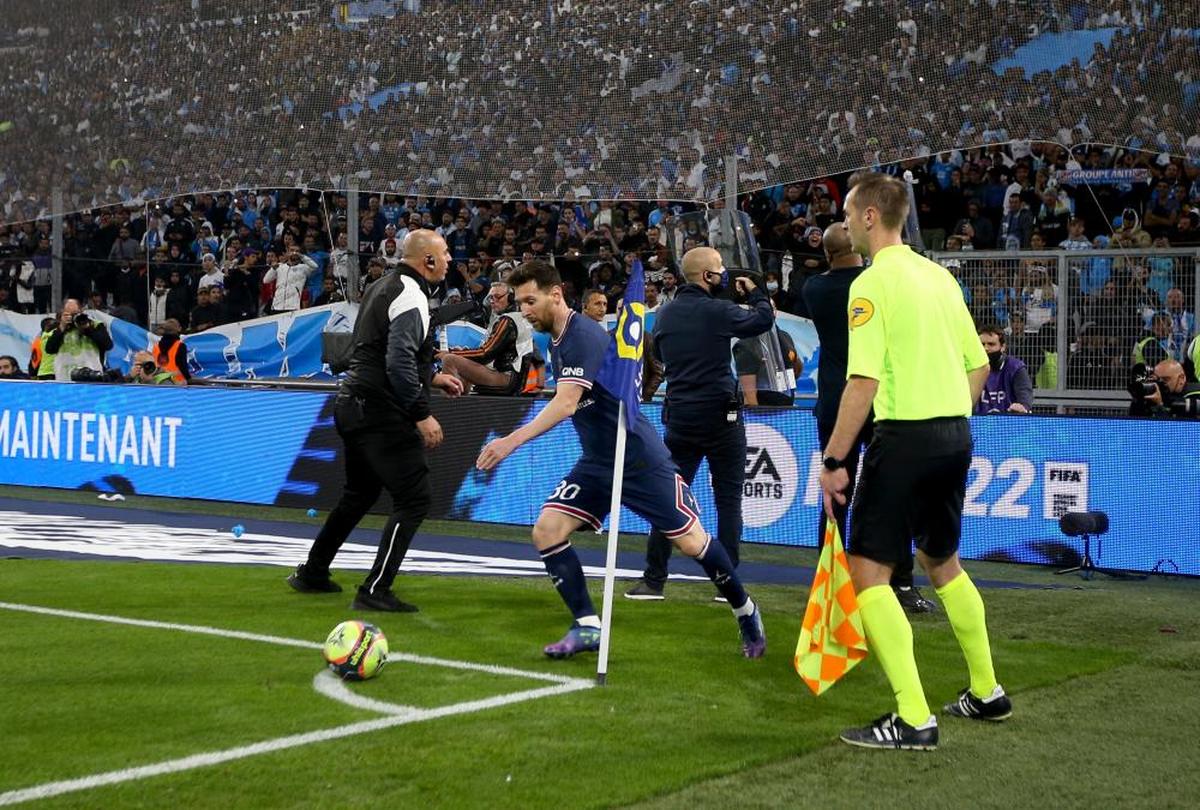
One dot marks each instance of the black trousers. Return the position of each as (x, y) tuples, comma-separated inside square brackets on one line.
[(377, 456), (902, 574), (724, 445)]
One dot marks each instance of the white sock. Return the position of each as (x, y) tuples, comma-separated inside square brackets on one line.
[(589, 621), (746, 609)]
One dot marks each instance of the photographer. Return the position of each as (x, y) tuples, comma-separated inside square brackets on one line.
[(1165, 392), (77, 342), (506, 364), (145, 371)]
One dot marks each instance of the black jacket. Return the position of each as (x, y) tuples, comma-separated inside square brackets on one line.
[(391, 366), (692, 337)]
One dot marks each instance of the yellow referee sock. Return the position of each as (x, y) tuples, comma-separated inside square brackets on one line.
[(889, 637), (964, 608)]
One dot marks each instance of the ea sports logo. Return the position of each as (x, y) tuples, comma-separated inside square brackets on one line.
[(770, 484)]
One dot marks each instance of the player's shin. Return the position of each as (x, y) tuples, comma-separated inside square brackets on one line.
[(714, 559), (566, 572)]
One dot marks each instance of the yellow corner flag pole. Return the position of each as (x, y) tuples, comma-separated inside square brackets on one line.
[(831, 639)]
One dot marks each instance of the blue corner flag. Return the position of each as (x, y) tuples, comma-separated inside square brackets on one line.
[(621, 372)]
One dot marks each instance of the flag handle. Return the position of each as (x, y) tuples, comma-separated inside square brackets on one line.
[(610, 562)]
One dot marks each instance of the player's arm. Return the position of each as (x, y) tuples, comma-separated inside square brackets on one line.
[(560, 408)]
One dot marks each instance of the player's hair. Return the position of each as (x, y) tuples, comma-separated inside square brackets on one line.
[(537, 271), (993, 329), (885, 194)]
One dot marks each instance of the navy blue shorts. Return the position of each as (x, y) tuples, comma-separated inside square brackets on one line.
[(660, 495)]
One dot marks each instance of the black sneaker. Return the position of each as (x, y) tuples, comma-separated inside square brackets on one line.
[(385, 600), (890, 731), (913, 602), (995, 707), (304, 582), (645, 592)]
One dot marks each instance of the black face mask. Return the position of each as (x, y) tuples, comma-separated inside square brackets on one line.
[(995, 360)]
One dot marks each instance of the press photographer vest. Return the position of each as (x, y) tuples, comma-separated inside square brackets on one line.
[(76, 351), (168, 359), (524, 338)]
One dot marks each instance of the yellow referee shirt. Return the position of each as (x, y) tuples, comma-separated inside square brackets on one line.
[(911, 331)]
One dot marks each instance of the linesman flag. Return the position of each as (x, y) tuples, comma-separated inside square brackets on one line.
[(831, 640), (621, 372)]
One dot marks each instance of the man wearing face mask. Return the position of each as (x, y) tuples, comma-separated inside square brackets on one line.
[(702, 412), (1009, 388)]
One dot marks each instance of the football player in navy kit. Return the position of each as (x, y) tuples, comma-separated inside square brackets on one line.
[(652, 487)]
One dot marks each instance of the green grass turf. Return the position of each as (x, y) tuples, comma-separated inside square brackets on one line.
[(1105, 700)]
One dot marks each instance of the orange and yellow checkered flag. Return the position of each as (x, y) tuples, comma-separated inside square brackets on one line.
[(832, 640)]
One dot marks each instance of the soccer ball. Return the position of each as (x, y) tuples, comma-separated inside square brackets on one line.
[(356, 651)]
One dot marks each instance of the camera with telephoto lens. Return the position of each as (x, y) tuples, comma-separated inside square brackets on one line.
[(81, 321), (1144, 385)]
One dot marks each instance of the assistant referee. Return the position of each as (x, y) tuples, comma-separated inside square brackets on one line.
[(915, 356), (824, 299)]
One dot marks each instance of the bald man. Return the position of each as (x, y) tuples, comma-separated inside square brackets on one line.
[(382, 415), (825, 299), (702, 413), (1173, 395)]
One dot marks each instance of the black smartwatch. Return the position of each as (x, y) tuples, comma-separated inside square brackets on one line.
[(832, 464)]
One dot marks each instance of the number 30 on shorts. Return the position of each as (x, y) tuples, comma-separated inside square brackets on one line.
[(565, 491)]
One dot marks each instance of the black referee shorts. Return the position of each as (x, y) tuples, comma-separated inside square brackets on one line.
[(913, 482)]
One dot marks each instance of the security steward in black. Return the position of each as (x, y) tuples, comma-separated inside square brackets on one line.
[(824, 300), (382, 415), (702, 412)]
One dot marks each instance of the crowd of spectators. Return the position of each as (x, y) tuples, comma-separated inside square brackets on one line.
[(210, 259), (559, 100)]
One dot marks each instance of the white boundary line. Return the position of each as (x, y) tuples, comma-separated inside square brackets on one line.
[(398, 715)]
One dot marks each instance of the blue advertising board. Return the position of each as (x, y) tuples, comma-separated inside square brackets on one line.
[(276, 447)]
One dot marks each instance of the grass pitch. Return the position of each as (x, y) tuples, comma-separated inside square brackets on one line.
[(1103, 678)]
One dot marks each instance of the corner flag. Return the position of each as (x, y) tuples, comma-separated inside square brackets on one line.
[(621, 372), (831, 639), (621, 375)]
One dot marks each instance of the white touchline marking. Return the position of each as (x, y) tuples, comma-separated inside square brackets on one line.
[(65, 534), (398, 715), (490, 669), (194, 761)]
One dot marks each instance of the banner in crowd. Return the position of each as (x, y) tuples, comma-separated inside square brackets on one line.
[(286, 345), (289, 345), (280, 447), (1103, 177)]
